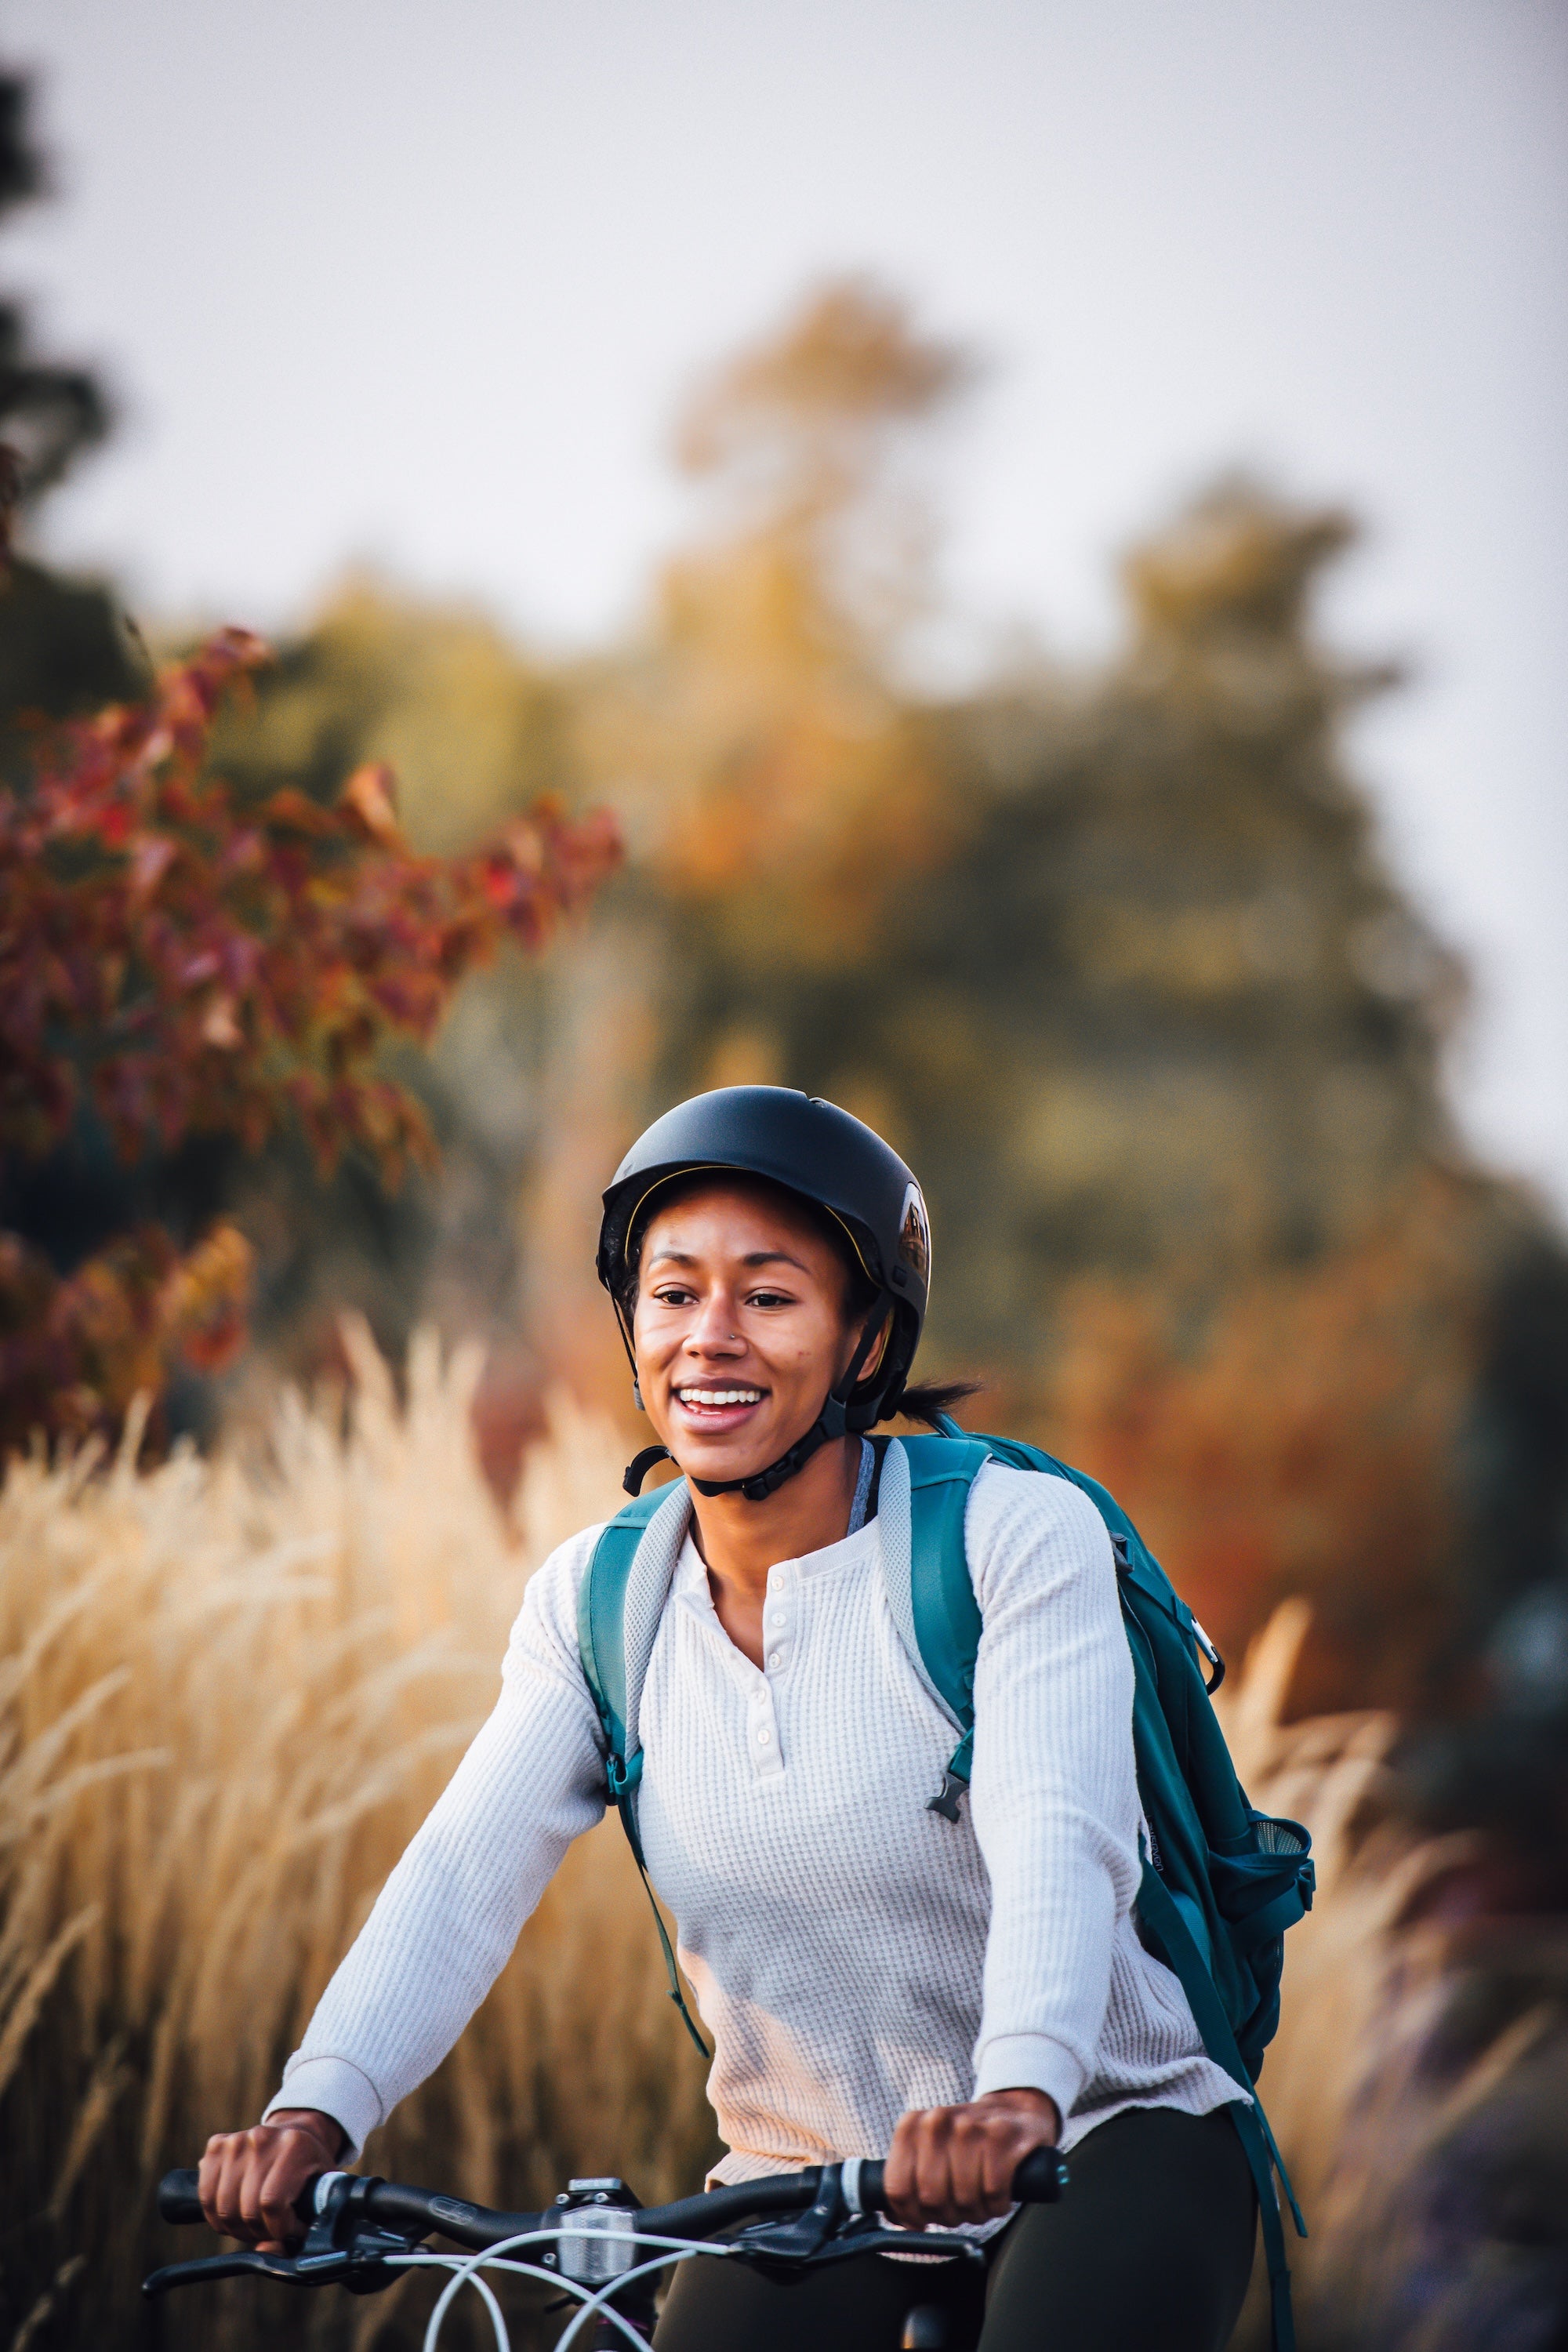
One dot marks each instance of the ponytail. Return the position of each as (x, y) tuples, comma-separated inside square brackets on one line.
[(929, 1401)]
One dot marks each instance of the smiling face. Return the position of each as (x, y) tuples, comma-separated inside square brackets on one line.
[(740, 1326)]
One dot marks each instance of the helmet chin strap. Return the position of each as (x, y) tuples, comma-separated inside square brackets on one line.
[(832, 1422)]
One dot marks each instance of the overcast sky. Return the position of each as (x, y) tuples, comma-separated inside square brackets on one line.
[(420, 282)]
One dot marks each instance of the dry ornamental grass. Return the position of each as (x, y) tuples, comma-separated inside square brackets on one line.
[(230, 1690), (1418, 2083)]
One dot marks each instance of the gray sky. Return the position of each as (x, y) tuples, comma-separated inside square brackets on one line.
[(420, 282)]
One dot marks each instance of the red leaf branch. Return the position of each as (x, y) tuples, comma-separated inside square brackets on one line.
[(194, 965)]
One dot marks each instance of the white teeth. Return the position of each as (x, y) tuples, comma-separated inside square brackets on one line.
[(719, 1396)]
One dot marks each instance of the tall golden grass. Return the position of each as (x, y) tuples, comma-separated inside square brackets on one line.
[(1418, 2083), (230, 1690)]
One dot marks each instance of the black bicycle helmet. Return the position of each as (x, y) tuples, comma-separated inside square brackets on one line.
[(812, 1149)]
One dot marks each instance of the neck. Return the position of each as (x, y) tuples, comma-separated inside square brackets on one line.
[(740, 1540)]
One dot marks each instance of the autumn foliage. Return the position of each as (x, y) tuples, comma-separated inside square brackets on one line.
[(1307, 1438), (178, 963)]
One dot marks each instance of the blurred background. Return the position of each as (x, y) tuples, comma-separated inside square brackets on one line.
[(1038, 534)]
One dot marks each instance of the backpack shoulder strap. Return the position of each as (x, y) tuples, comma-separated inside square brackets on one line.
[(920, 1516), (602, 1618), (619, 1604)]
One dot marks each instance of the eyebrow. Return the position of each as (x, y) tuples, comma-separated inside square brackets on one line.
[(753, 1257)]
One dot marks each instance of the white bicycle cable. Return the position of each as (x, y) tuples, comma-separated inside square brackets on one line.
[(466, 2270), (600, 2301), (447, 2262)]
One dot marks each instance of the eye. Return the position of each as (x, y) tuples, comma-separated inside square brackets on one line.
[(769, 1298), (675, 1294)]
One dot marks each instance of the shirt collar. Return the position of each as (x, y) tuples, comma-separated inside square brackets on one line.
[(691, 1573)]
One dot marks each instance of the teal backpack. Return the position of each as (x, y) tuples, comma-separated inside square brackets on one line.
[(1221, 1881)]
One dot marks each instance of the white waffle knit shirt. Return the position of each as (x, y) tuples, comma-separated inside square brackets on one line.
[(853, 1955)]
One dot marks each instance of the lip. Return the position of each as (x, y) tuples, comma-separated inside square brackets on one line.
[(715, 1419)]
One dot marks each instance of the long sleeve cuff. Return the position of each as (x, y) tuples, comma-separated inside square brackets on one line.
[(335, 2087), (1029, 2061)]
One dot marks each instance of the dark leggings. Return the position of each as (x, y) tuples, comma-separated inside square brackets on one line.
[(1149, 2251)]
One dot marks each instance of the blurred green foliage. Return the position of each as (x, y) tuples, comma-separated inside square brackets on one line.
[(1113, 953), (1109, 952), (64, 645)]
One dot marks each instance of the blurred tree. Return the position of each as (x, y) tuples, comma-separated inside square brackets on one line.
[(1299, 1438), (365, 691), (772, 777), (1117, 960), (64, 645), (1120, 952), (49, 413), (173, 966), (783, 790), (782, 772), (476, 732), (1198, 1023), (1112, 955), (472, 727)]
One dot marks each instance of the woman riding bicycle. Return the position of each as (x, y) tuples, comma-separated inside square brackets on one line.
[(874, 1977)]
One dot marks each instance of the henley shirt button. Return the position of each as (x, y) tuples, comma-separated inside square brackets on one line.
[(764, 1737), (775, 1659)]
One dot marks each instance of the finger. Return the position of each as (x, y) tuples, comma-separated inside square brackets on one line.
[(250, 2178), (920, 2128), (978, 2168), (207, 2176), (999, 2148), (899, 2174), (295, 2161), (933, 2177), (1000, 2155), (226, 2210), (967, 2161)]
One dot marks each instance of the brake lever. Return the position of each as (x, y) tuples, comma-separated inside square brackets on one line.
[(800, 2237), (860, 2236), (831, 2229), (245, 2261), (359, 2265)]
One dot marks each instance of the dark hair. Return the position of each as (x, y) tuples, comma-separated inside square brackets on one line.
[(921, 1401), (929, 1401)]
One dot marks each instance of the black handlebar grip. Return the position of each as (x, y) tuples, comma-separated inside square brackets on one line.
[(177, 2198), (1039, 2180), (178, 2201)]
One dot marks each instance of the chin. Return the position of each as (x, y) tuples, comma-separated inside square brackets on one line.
[(714, 1458), (698, 1462)]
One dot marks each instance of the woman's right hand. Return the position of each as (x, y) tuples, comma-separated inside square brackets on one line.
[(249, 2180)]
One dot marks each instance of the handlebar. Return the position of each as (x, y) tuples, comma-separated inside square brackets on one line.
[(177, 2198), (361, 2233), (1039, 2180)]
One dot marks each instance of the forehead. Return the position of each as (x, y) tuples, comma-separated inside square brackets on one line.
[(733, 1216)]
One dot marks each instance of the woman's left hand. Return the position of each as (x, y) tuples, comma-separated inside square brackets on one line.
[(956, 2164)]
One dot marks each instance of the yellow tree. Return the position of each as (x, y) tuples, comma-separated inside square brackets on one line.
[(785, 779), (778, 782)]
